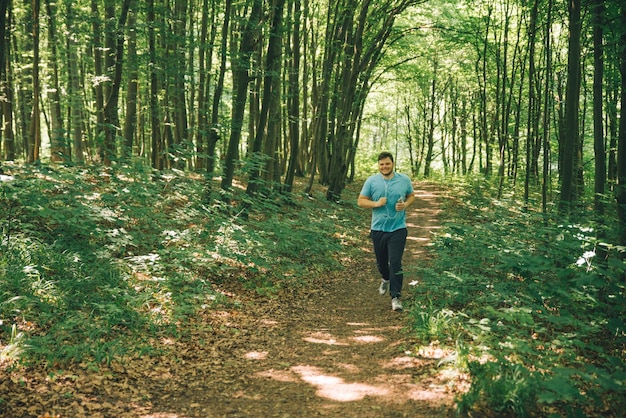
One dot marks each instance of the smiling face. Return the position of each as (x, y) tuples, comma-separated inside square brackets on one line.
[(385, 166)]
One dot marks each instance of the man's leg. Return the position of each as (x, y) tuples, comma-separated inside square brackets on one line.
[(395, 248), (382, 253)]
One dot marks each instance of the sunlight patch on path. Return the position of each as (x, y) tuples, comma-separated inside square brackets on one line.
[(335, 388), (369, 339), (322, 338), (256, 355), (366, 337), (278, 375)]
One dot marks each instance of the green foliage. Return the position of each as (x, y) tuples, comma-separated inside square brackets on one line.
[(543, 310), (433, 324), (96, 262), (504, 388)]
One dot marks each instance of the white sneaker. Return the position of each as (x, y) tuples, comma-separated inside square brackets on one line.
[(384, 286), (396, 305)]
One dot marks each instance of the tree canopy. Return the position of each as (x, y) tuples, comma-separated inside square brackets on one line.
[(527, 91)]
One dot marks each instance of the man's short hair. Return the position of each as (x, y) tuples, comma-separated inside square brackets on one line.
[(385, 154)]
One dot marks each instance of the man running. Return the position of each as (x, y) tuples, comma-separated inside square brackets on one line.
[(388, 193)]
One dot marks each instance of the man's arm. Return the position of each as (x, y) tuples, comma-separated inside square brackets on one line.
[(367, 203)]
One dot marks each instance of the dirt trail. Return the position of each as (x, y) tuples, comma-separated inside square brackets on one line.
[(333, 349), (337, 351)]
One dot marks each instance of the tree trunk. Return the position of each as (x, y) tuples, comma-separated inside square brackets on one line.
[(132, 90), (204, 68), (431, 122), (58, 143), (293, 101), (271, 94), (483, 82), (176, 85), (214, 133), (111, 117), (6, 85), (4, 19), (34, 129), (570, 141), (156, 142), (598, 125), (531, 132), (241, 66), (547, 105), (74, 88), (620, 193), (97, 49)]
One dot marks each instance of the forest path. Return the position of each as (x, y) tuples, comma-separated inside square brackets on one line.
[(332, 348)]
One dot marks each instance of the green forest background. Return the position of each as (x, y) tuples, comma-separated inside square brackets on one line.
[(177, 139)]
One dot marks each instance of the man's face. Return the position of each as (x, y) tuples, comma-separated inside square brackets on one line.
[(385, 166)]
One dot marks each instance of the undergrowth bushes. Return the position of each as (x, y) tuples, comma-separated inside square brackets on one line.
[(541, 312), (94, 262)]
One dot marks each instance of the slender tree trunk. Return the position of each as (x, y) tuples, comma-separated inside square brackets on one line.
[(176, 85), (621, 143), (613, 90), (463, 127), (271, 92), (34, 130), (241, 66), (484, 124), (570, 141), (58, 143), (205, 46), (97, 49), (598, 125), (74, 88), (214, 133), (6, 85), (111, 117), (156, 142), (547, 105), (293, 101), (531, 133), (431, 121), (4, 19), (132, 89)]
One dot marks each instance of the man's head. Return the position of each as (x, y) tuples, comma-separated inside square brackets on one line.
[(385, 154), (385, 163)]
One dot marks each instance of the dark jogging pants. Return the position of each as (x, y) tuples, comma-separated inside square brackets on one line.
[(389, 248)]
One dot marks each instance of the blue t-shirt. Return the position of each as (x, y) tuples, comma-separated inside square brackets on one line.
[(386, 218)]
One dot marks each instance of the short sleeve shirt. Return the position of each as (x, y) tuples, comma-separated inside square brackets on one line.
[(386, 218)]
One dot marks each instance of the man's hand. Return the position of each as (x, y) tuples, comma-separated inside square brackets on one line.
[(366, 202)]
